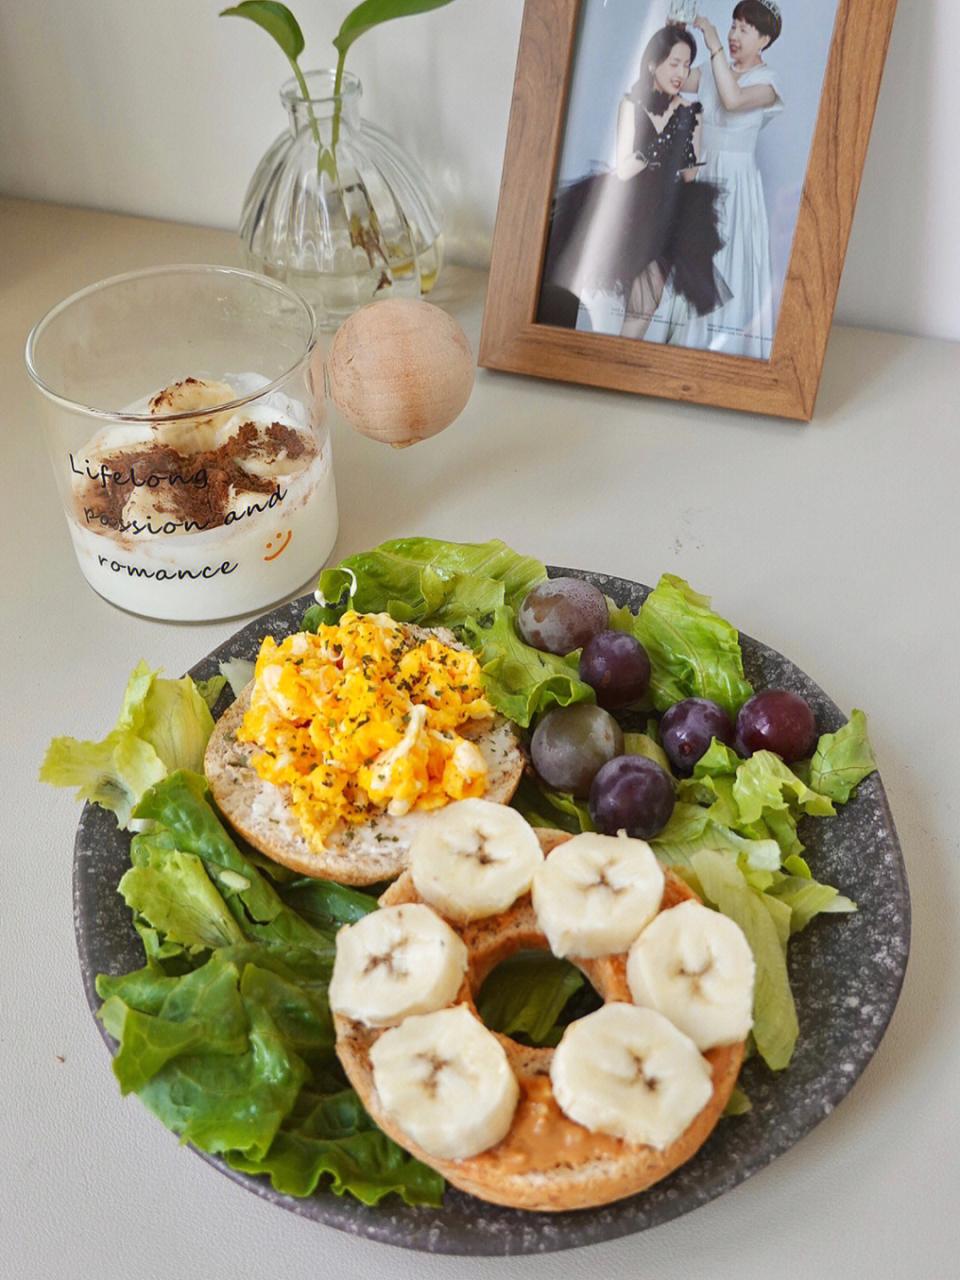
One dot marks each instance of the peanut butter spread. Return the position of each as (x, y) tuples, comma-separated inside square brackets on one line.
[(543, 1138)]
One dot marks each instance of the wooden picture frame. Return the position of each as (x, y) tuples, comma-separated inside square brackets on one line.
[(786, 385)]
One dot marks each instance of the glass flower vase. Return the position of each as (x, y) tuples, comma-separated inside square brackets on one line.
[(337, 209)]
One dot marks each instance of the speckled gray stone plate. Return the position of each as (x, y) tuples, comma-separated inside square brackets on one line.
[(846, 973)]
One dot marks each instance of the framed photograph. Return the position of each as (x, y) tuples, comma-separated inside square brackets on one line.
[(678, 189)]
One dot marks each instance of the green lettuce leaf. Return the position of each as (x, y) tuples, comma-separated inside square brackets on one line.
[(807, 899), (179, 806), (163, 725), (200, 1011), (334, 590), (765, 787), (327, 905), (210, 690), (842, 760), (717, 761), (172, 891), (238, 672), (520, 681), (427, 581), (231, 1102), (525, 995), (692, 829), (545, 808), (113, 773), (739, 1104), (766, 925), (170, 715), (233, 1057), (331, 1136), (693, 652), (642, 744)]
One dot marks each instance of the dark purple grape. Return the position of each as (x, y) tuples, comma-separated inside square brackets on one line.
[(570, 744), (617, 667), (631, 794), (777, 720), (687, 729), (562, 614)]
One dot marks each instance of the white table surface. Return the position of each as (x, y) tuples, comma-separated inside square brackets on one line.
[(836, 543)]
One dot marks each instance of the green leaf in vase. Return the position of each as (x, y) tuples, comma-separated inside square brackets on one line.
[(371, 13), (275, 19)]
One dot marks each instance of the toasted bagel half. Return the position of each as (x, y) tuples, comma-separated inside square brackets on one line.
[(368, 853), (547, 1162)]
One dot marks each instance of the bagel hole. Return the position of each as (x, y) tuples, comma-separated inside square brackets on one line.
[(532, 996)]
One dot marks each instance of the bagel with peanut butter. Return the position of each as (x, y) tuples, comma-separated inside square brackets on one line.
[(545, 1160)]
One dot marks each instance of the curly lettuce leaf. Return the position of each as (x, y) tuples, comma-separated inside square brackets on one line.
[(694, 653), (169, 714), (163, 726), (427, 581), (842, 760), (113, 773), (520, 681), (525, 995), (765, 786), (692, 829), (766, 925)]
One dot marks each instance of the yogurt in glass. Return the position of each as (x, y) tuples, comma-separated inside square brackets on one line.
[(213, 495)]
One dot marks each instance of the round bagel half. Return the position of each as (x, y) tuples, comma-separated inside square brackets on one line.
[(547, 1162), (368, 853)]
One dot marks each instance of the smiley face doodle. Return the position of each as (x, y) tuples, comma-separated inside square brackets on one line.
[(282, 541)]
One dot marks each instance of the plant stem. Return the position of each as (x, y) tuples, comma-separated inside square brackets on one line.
[(337, 86), (302, 83)]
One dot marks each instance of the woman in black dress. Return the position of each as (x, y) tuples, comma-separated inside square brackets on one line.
[(648, 220)]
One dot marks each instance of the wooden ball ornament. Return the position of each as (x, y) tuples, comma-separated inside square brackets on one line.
[(400, 370)]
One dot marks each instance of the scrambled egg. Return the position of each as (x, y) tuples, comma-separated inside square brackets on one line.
[(362, 717)]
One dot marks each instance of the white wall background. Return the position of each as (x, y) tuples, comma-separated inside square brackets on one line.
[(159, 107)]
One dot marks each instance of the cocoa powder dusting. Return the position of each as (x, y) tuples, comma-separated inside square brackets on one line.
[(193, 489)]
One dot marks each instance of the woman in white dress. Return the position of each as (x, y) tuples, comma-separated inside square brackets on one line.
[(739, 98)]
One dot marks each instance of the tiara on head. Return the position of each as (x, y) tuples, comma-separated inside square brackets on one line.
[(774, 8)]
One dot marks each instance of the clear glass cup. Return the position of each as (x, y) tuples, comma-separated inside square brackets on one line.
[(337, 209), (190, 452)]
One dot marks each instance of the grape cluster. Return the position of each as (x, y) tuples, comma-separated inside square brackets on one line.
[(579, 749)]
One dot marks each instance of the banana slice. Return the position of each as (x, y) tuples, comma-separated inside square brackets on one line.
[(474, 859), (149, 510), (594, 894), (277, 447), (444, 1079), (630, 1073), (695, 966), (192, 435), (395, 962)]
